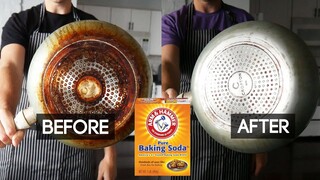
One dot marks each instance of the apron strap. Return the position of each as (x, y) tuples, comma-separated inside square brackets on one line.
[(189, 24), (42, 13), (75, 14)]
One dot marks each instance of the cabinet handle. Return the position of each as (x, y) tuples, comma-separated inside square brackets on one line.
[(131, 25), (317, 10)]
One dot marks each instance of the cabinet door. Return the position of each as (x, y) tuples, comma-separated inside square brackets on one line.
[(304, 8), (100, 12), (121, 17), (155, 33), (276, 11), (141, 20)]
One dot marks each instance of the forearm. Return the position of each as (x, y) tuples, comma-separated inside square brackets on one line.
[(11, 75), (108, 165), (170, 61), (110, 153), (10, 87), (170, 76)]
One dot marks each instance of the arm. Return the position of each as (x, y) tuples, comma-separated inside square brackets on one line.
[(170, 70), (108, 165), (11, 76), (259, 161)]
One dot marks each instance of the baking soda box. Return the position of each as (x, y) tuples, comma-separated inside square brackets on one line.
[(162, 137)]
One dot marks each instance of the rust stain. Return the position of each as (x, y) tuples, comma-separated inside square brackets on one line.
[(109, 46)]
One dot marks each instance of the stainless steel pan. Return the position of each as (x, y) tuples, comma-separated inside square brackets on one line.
[(254, 68), (89, 67)]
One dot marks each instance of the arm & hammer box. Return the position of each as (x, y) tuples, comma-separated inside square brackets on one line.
[(162, 137)]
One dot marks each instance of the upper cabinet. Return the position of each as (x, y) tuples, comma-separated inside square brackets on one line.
[(283, 11), (272, 10), (143, 25), (100, 12), (306, 8), (131, 19), (140, 20), (155, 33), (121, 17)]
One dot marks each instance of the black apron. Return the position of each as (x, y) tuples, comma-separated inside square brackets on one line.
[(209, 159), (48, 159)]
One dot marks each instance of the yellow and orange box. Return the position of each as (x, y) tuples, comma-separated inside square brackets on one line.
[(162, 137)]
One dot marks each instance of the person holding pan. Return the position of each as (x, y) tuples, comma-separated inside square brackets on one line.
[(185, 33), (22, 156)]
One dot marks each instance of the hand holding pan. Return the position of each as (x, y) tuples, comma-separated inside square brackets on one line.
[(88, 67), (254, 68)]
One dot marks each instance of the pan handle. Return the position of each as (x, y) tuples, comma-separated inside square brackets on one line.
[(25, 118)]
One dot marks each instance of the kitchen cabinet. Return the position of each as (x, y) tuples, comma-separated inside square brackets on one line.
[(143, 25), (140, 20), (121, 17), (100, 12), (131, 19), (283, 11), (155, 33), (305, 8), (273, 11), (243, 4), (148, 23)]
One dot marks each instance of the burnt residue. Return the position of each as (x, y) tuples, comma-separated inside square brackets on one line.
[(108, 46)]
